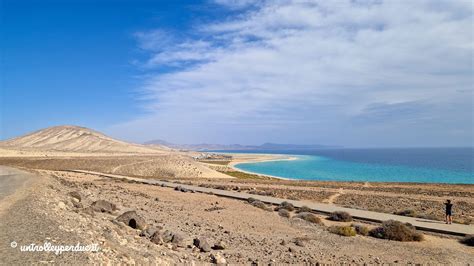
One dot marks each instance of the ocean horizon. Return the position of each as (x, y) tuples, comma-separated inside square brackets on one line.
[(417, 165)]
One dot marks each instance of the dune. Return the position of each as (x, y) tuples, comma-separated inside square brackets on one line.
[(75, 139), (74, 147)]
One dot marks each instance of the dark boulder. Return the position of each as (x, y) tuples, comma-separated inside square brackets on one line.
[(132, 219)]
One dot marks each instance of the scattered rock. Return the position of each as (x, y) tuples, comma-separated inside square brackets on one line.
[(148, 233), (221, 245), (300, 243), (61, 205), (167, 236), (218, 259), (76, 204), (177, 239), (103, 206), (202, 244), (75, 195), (132, 219), (156, 238), (88, 211)]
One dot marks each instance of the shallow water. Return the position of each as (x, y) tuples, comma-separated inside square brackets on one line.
[(430, 165)]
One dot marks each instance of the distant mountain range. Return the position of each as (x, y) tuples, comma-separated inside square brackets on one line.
[(265, 146)]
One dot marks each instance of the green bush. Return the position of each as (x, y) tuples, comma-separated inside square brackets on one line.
[(340, 217), (343, 230), (307, 216), (468, 240), (361, 229), (398, 231)]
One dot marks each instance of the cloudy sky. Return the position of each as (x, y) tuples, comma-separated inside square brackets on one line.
[(351, 73)]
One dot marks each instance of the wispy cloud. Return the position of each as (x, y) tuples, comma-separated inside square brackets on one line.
[(314, 69)]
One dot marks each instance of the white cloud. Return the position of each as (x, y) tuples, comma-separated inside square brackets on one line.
[(315, 69)]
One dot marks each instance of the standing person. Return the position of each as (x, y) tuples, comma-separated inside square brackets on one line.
[(449, 208)]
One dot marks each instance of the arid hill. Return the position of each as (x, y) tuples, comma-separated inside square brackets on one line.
[(75, 139)]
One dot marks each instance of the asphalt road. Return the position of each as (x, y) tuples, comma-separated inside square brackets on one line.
[(422, 224), (11, 179)]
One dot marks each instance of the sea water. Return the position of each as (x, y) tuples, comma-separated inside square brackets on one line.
[(423, 165)]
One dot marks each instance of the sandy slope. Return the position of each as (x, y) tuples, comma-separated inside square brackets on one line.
[(74, 139), (74, 147)]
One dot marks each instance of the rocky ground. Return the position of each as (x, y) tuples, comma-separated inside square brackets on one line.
[(174, 227)]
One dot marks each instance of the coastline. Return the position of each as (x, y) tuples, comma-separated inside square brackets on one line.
[(242, 158), (239, 158)]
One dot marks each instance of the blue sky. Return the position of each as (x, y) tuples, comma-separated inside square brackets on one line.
[(352, 73)]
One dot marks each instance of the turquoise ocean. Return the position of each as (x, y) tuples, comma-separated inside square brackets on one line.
[(420, 165)]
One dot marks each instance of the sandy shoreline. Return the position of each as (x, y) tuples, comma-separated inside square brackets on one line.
[(238, 158)]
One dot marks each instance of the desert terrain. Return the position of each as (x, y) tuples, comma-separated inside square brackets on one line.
[(173, 227)]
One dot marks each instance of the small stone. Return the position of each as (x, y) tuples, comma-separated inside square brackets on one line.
[(103, 206), (61, 205), (218, 259), (167, 236), (75, 195), (219, 246), (177, 239), (202, 244), (76, 203), (300, 243), (156, 238), (148, 233)]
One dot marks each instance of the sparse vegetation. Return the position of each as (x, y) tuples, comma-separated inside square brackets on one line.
[(250, 200), (361, 229), (284, 213), (409, 213), (242, 175), (340, 217), (303, 209), (218, 162), (398, 231), (468, 240), (307, 216), (342, 230), (285, 206), (260, 205)]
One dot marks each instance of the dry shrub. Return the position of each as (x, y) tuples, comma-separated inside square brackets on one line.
[(285, 206), (468, 240), (409, 213), (284, 213), (307, 216), (361, 229), (343, 230), (398, 231), (260, 205), (250, 200), (340, 217), (303, 209)]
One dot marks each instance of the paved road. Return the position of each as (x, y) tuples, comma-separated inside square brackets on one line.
[(10, 180), (421, 224)]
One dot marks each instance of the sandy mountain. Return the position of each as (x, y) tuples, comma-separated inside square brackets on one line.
[(75, 139)]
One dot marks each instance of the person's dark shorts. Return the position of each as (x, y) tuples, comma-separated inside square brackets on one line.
[(449, 213)]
